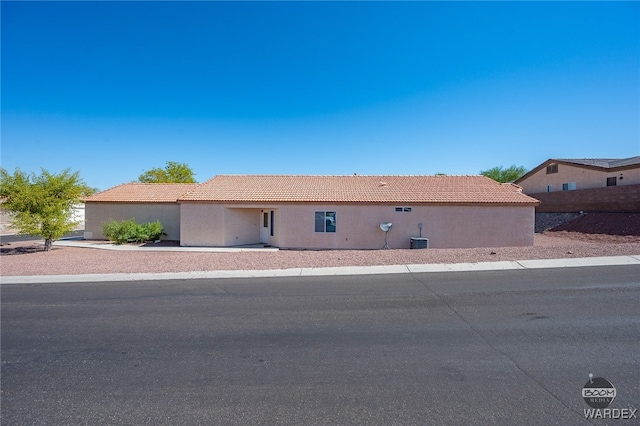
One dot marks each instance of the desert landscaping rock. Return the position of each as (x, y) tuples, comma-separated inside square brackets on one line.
[(23, 259), (547, 221)]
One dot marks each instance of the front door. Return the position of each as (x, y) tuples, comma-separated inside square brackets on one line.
[(264, 226)]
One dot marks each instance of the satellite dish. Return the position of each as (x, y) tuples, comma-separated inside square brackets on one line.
[(386, 227)]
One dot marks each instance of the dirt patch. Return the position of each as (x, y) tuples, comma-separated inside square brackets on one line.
[(600, 227), (594, 238)]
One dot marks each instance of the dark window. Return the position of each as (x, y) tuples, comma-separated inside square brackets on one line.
[(549, 188), (265, 220), (319, 221), (271, 230), (325, 221), (398, 209), (403, 209), (552, 168), (569, 186), (612, 181)]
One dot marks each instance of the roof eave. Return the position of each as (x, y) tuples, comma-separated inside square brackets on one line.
[(532, 202), (569, 163)]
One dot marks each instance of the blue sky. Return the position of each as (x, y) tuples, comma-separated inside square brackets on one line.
[(111, 89)]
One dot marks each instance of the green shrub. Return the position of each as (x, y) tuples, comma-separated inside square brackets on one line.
[(121, 232), (128, 231)]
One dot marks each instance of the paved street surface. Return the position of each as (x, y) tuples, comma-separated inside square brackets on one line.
[(488, 348)]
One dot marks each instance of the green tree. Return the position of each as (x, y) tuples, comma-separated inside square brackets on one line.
[(42, 205), (503, 175), (173, 172)]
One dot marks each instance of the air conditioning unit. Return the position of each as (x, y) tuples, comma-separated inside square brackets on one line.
[(419, 243)]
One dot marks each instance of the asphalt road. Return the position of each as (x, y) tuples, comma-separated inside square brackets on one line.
[(486, 348)]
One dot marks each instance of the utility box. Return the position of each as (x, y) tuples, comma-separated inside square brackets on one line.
[(419, 243)]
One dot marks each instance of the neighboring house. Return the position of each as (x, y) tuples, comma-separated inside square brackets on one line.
[(78, 215), (595, 184), (145, 202), (5, 219), (5, 222), (345, 212)]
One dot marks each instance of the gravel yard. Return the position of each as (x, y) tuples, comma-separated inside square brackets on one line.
[(28, 258)]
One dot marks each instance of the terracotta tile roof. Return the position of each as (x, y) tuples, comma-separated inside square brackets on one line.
[(358, 189), (143, 193)]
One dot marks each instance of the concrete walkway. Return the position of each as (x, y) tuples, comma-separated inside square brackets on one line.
[(104, 245)]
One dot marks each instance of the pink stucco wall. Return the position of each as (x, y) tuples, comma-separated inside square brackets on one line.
[(216, 225), (98, 213), (358, 225), (583, 177)]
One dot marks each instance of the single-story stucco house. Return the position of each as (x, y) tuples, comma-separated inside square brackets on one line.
[(144, 202), (327, 212)]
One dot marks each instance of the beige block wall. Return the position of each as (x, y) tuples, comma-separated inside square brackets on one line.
[(584, 178), (358, 226), (98, 213)]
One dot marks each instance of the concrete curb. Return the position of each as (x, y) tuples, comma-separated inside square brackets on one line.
[(332, 271)]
